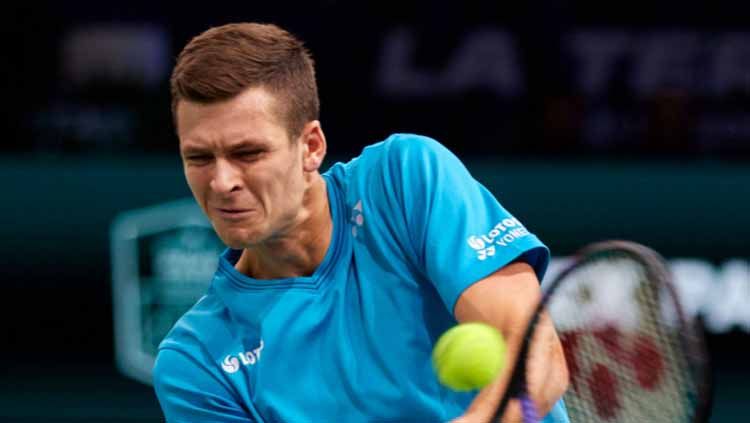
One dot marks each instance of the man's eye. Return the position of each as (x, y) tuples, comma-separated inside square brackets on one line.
[(247, 154), (198, 158)]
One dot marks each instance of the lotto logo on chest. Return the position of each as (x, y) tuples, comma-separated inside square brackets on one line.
[(232, 363)]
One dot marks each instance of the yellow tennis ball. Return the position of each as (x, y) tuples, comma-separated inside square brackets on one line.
[(469, 356)]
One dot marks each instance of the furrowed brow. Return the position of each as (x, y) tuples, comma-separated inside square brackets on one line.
[(247, 144)]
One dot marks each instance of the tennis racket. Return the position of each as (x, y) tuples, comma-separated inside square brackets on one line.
[(632, 354)]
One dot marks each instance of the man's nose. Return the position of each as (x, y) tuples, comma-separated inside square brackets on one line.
[(226, 177)]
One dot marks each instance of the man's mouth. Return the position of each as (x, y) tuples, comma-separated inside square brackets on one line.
[(232, 213)]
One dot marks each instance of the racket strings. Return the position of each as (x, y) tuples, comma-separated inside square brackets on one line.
[(625, 358)]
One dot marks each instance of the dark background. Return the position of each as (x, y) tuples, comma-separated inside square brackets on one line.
[(588, 121)]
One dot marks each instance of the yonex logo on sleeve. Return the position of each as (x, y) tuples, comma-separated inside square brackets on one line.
[(231, 364), (504, 233)]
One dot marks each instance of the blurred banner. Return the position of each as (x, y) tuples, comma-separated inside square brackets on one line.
[(538, 79)]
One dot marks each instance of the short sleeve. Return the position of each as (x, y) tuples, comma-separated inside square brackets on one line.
[(189, 393), (459, 231)]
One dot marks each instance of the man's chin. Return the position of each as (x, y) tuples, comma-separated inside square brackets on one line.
[(238, 242)]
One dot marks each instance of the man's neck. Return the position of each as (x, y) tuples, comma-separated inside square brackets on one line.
[(301, 249)]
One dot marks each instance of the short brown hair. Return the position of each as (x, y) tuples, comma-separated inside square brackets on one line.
[(224, 61)]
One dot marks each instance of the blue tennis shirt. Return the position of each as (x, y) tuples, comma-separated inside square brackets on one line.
[(352, 342)]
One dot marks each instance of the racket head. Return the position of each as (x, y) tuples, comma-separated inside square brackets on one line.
[(632, 354)]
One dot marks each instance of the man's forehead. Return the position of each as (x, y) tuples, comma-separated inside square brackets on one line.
[(251, 112), (254, 100)]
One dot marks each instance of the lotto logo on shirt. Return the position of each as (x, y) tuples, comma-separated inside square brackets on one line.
[(504, 233), (231, 364)]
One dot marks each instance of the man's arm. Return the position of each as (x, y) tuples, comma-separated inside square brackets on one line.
[(507, 299), (458, 233), (187, 392)]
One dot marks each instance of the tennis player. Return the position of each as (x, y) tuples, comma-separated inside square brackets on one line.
[(335, 286)]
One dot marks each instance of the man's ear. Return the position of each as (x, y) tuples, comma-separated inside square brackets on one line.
[(313, 146)]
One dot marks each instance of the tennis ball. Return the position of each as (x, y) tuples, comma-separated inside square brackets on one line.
[(469, 356)]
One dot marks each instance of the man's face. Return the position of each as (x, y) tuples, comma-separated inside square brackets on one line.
[(241, 167)]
